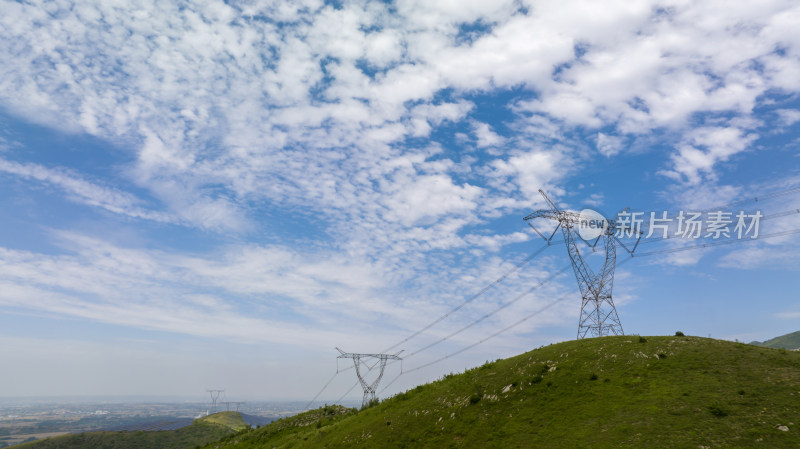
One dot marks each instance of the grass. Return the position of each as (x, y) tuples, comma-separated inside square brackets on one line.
[(611, 392), (289, 430), (231, 420), (202, 431)]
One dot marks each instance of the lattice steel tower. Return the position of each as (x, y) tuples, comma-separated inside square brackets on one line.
[(214, 396), (598, 314), (369, 387)]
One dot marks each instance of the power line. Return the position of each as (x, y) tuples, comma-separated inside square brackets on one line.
[(757, 199), (753, 199), (321, 390), (561, 298), (498, 309), (475, 296), (535, 254), (347, 392), (495, 334), (502, 306), (718, 243), (390, 383), (507, 328)]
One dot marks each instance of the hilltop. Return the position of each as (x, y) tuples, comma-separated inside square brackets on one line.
[(788, 341), (200, 432), (231, 420), (654, 392)]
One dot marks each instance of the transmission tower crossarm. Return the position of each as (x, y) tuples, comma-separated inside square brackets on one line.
[(349, 355), (549, 202)]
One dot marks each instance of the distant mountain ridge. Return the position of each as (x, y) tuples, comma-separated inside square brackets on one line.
[(788, 341), (164, 434)]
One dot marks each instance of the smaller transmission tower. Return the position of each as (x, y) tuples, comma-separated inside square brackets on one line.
[(214, 396), (358, 359), (229, 403)]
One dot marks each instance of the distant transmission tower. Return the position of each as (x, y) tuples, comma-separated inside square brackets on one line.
[(369, 388), (598, 314), (237, 404), (214, 396)]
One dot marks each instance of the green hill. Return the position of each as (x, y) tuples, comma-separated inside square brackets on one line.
[(611, 392), (231, 420), (202, 431), (788, 341)]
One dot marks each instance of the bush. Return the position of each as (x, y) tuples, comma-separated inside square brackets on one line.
[(536, 379), (679, 334), (593, 376), (642, 339), (717, 411), (475, 398), (371, 403), (661, 355)]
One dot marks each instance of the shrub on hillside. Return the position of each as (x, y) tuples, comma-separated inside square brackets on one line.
[(717, 411)]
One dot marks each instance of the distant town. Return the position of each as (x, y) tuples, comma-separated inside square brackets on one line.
[(23, 420)]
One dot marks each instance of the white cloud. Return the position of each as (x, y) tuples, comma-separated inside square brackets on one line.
[(176, 79), (532, 170), (703, 196), (428, 198), (703, 148), (82, 191), (788, 117), (486, 136), (594, 199), (609, 145), (788, 315)]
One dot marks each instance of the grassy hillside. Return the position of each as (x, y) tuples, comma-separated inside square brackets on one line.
[(788, 341), (663, 392), (231, 420), (202, 431)]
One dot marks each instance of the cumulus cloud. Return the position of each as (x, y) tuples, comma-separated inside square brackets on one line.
[(318, 111), (703, 148)]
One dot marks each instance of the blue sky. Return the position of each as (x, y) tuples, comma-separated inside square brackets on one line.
[(215, 194)]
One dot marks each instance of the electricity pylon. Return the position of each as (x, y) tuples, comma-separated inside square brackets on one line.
[(214, 396), (598, 314), (369, 387), (237, 404)]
